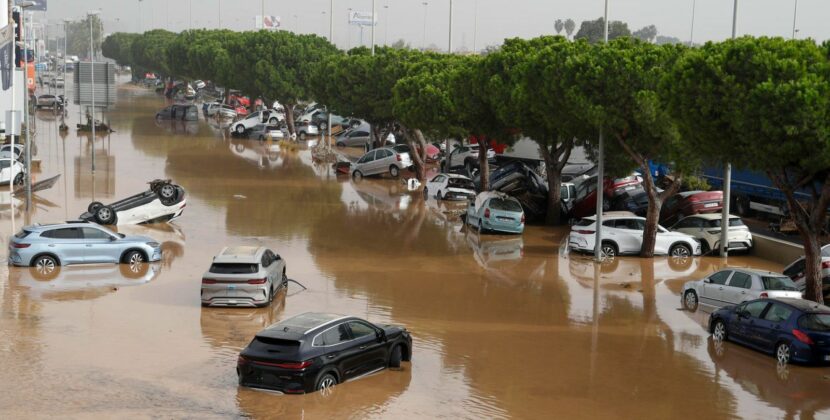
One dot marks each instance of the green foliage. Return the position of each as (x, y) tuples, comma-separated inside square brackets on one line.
[(149, 51), (119, 47), (77, 39), (593, 30), (424, 98)]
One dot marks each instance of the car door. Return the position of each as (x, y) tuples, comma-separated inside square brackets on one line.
[(434, 185), (744, 321), (67, 243), (737, 289), (628, 234), (663, 241), (369, 163), (712, 290), (100, 246), (358, 138), (371, 350), (382, 161), (765, 331)]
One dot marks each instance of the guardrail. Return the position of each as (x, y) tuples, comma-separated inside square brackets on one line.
[(776, 250)]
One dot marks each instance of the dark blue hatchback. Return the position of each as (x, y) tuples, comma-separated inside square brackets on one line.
[(794, 330)]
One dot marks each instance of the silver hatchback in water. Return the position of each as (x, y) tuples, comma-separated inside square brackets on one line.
[(732, 286), (244, 276), (47, 246)]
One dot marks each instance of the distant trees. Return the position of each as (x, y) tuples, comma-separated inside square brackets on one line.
[(559, 25), (78, 32), (570, 26), (646, 33), (594, 30)]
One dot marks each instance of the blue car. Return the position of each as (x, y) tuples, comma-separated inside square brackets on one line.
[(497, 212), (794, 330), (47, 246)]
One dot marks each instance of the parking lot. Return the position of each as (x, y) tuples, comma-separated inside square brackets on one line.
[(503, 326)]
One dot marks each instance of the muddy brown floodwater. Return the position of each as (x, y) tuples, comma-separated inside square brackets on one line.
[(503, 326)]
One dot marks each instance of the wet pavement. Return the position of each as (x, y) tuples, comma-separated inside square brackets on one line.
[(503, 326)]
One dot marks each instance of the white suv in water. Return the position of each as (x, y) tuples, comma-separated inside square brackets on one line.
[(245, 276), (732, 286), (622, 233)]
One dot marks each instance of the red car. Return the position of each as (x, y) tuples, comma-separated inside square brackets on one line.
[(688, 203), (585, 202)]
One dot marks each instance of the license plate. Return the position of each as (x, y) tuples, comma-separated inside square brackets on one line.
[(630, 187), (827, 358), (505, 218), (707, 205), (231, 287)]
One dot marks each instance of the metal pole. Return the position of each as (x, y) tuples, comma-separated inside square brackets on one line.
[(262, 9), (727, 172), (386, 27), (475, 26), (600, 171), (331, 39), (28, 149), (139, 16), (190, 14), (449, 48), (219, 15), (65, 35), (692, 35), (10, 124), (795, 13), (424, 40), (373, 26), (92, 83), (349, 30)]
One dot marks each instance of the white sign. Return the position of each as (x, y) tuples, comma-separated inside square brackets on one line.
[(271, 22), (362, 18)]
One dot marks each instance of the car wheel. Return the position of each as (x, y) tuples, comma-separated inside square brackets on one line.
[(608, 250), (133, 258), (704, 247), (18, 179), (480, 227), (240, 129), (284, 280), (357, 175), (105, 215), (45, 265), (94, 206), (690, 300), (273, 121), (395, 357), (394, 171), (782, 353), (340, 144), (302, 135), (439, 196), (719, 331), (167, 191), (680, 250), (325, 383)]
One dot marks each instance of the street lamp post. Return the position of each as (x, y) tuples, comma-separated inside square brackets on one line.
[(219, 15), (795, 14), (349, 29), (373, 26), (386, 26), (92, 82), (449, 46), (331, 39), (262, 16), (424, 39), (22, 5), (28, 145), (727, 170), (65, 35), (600, 169), (139, 16), (692, 34), (475, 26)]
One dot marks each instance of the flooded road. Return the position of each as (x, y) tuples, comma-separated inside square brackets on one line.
[(503, 327)]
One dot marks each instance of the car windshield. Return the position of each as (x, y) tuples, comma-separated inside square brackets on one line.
[(584, 222), (815, 322), (233, 268), (778, 283), (715, 223), (460, 183), (504, 204)]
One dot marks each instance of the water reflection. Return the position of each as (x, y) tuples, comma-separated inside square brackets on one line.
[(233, 328), (262, 154), (81, 282), (169, 235)]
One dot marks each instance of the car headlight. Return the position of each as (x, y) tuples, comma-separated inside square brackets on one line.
[(153, 244)]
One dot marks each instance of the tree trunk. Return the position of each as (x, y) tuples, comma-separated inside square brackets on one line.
[(289, 118), (483, 167), (418, 150), (812, 269), (554, 163), (652, 217)]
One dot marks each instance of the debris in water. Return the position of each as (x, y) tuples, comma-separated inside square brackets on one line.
[(239, 196)]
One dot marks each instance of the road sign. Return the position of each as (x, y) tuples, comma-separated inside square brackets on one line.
[(104, 84), (362, 18)]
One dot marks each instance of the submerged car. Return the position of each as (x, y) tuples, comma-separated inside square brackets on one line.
[(732, 286), (794, 330), (316, 351), (50, 245), (623, 234), (379, 161), (688, 203), (245, 276), (450, 187), (163, 202), (179, 112), (11, 170), (796, 271), (266, 131), (706, 228), (495, 211)]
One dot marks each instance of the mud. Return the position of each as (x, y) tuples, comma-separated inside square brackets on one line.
[(503, 326)]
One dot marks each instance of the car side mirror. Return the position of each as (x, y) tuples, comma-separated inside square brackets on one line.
[(113, 238), (743, 314), (707, 280), (380, 335)]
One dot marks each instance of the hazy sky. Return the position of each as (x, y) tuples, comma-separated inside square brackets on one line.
[(497, 19)]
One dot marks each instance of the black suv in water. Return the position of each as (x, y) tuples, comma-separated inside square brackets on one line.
[(315, 351)]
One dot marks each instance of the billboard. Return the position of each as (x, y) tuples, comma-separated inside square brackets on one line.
[(362, 18), (104, 84), (271, 22), (39, 6)]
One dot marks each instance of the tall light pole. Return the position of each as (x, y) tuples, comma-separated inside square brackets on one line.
[(262, 16), (190, 14), (28, 144), (349, 30), (475, 26), (139, 16), (449, 44), (219, 15), (386, 26), (424, 39), (727, 171), (331, 39), (65, 35), (601, 168), (692, 34), (795, 14), (22, 5), (373, 26), (89, 16)]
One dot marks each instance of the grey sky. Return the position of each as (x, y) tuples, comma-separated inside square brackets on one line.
[(497, 19)]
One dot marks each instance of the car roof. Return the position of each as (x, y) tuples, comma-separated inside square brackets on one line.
[(299, 326), (688, 193), (39, 227), (712, 216), (803, 305), (239, 254), (616, 215), (754, 271)]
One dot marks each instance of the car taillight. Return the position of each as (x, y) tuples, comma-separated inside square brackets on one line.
[(585, 232), (825, 264), (398, 157), (764, 294), (257, 281), (804, 338), (208, 281), (294, 365), (487, 213), (241, 360), (19, 245)]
